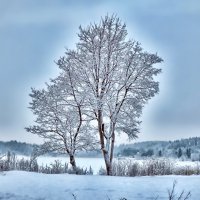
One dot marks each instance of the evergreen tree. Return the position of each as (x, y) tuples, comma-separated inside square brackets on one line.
[(180, 153)]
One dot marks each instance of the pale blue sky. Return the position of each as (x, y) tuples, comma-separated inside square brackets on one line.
[(34, 33)]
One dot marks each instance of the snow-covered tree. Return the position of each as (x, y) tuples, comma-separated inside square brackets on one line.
[(116, 77), (60, 118)]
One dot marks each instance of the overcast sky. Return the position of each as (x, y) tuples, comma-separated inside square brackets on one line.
[(35, 33)]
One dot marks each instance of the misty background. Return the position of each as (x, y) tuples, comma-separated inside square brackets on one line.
[(33, 34)]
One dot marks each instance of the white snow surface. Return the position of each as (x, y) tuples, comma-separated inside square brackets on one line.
[(19, 185)]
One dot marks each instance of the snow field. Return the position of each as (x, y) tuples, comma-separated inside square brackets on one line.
[(18, 185)]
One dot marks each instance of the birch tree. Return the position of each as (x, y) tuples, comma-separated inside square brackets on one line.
[(60, 118), (118, 78)]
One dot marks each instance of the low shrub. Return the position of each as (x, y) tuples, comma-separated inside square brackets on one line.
[(10, 162), (150, 167)]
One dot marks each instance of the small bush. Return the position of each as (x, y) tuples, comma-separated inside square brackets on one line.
[(147, 168), (172, 195), (102, 171)]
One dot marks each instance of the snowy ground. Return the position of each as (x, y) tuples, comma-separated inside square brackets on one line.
[(18, 185)]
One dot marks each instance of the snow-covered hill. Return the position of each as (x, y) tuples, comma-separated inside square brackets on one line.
[(18, 185), (184, 149)]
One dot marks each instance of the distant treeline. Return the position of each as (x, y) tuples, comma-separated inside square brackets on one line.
[(22, 148), (187, 149), (183, 149), (13, 146)]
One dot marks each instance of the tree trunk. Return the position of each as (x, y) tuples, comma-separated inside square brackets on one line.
[(107, 163), (73, 163), (109, 168), (101, 129), (112, 143), (106, 150)]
